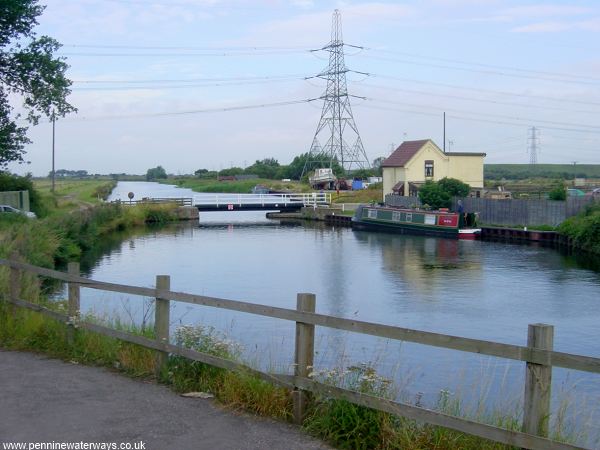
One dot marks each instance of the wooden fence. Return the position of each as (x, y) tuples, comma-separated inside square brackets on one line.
[(538, 355)]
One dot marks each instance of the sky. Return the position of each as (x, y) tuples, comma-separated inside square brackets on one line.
[(191, 84)]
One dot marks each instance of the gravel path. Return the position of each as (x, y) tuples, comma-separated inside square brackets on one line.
[(47, 400)]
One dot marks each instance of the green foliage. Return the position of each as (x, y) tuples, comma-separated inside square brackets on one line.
[(584, 228), (343, 423), (295, 168), (432, 194), (524, 171), (267, 168), (231, 172), (363, 174), (454, 187), (188, 375), (205, 173), (65, 237), (156, 173), (559, 192), (9, 182), (29, 70)]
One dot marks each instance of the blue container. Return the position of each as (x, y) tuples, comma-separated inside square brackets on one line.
[(357, 184)]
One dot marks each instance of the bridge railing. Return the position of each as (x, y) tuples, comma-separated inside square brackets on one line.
[(181, 201), (538, 354), (306, 199)]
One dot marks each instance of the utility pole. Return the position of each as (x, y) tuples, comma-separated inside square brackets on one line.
[(444, 131), (532, 145), (337, 119), (53, 133)]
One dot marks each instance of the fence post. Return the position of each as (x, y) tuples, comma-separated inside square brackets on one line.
[(304, 353), (161, 322), (14, 285), (538, 382), (73, 305)]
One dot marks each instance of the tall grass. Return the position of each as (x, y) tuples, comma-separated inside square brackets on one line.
[(65, 237)]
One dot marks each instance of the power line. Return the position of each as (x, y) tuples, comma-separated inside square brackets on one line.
[(192, 80), (459, 97), (179, 86), (189, 54), (194, 111), (474, 119), (171, 47), (488, 91), (490, 66), (488, 72), (501, 116)]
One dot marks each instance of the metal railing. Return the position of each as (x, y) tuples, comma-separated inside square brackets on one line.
[(309, 199), (181, 201)]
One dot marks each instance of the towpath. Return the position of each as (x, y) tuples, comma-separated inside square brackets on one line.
[(47, 400)]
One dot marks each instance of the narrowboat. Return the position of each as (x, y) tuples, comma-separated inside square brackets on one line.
[(415, 221)]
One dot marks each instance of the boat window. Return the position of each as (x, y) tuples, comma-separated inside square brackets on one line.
[(409, 217), (372, 214), (429, 168), (396, 216)]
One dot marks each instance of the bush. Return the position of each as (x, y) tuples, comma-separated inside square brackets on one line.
[(432, 194), (584, 229), (558, 193), (454, 187)]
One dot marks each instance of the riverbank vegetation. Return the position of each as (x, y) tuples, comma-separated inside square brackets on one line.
[(584, 228), (72, 220)]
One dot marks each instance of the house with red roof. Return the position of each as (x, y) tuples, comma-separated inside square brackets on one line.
[(415, 162)]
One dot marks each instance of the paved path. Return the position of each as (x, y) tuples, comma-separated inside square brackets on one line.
[(45, 400)]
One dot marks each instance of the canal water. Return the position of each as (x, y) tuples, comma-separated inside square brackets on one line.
[(482, 290)]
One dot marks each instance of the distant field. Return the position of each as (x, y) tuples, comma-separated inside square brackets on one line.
[(523, 171)]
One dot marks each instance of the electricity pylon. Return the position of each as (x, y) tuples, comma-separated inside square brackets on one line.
[(337, 122)]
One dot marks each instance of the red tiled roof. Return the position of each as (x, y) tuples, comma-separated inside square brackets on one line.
[(403, 153)]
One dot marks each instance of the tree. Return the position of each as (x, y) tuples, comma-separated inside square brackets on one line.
[(267, 168), (454, 187), (558, 192), (294, 170), (29, 70), (432, 194), (156, 173)]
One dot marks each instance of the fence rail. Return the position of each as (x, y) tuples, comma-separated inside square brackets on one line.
[(538, 354)]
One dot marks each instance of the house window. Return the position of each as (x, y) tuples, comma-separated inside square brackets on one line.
[(428, 169)]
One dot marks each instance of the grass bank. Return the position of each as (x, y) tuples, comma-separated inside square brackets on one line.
[(70, 195)]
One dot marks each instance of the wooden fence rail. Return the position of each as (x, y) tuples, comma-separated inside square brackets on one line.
[(538, 353)]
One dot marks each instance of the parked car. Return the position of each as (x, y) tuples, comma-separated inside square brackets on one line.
[(10, 210), (596, 192)]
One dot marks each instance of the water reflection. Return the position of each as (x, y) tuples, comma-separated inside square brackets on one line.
[(484, 290)]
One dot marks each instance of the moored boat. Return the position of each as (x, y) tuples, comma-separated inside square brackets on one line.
[(415, 221)]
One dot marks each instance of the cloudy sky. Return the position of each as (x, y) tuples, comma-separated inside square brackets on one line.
[(160, 82)]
